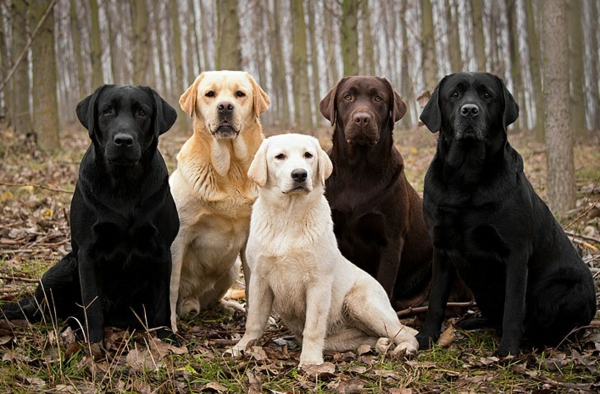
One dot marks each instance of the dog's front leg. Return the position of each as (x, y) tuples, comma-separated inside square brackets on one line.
[(177, 254), (514, 307), (247, 273), (258, 314), (161, 296), (389, 266), (318, 304), (441, 281), (91, 297)]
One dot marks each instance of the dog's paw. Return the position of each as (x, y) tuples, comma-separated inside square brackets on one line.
[(406, 348), (231, 307), (307, 359), (505, 350), (383, 345), (235, 351), (426, 341)]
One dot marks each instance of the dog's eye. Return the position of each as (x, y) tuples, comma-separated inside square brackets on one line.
[(308, 155), (109, 111), (141, 113), (486, 95), (348, 97), (280, 156), (454, 95), (210, 93), (377, 99), (239, 93)]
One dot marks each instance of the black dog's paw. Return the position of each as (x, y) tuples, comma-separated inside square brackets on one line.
[(505, 350), (168, 336), (426, 341)]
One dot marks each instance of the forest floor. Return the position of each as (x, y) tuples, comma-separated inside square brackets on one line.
[(35, 193)]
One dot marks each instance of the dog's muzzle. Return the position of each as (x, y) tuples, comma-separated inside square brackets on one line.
[(361, 129), (123, 150), (299, 183), (468, 124), (225, 127)]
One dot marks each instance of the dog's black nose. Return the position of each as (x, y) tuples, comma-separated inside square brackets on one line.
[(469, 110), (124, 140), (299, 175), (225, 107), (361, 119)]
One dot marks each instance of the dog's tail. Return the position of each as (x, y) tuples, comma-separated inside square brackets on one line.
[(54, 295)]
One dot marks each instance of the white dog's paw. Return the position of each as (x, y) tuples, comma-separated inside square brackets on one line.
[(310, 359), (407, 347), (235, 351), (383, 344), (231, 306)]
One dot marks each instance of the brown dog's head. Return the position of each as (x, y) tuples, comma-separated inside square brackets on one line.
[(363, 107), (224, 102)]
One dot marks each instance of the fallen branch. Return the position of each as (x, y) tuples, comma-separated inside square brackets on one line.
[(414, 310), (585, 237), (54, 189), (19, 279)]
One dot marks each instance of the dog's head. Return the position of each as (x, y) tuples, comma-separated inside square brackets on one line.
[(471, 107), (125, 121), (224, 101), (363, 107), (291, 163)]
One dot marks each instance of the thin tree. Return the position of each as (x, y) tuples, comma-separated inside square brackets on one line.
[(20, 80), (280, 86), (478, 37), (368, 44), (140, 43), (428, 59), (177, 76), (95, 46), (229, 52), (43, 59), (515, 62), (314, 60), (576, 67), (454, 49), (535, 69), (5, 66), (559, 138), (594, 66), (349, 36), (302, 107)]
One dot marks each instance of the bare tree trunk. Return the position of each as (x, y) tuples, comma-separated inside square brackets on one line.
[(595, 65), (314, 61), (515, 63), (43, 59), (406, 88), (428, 60), (95, 46), (20, 88), (559, 138), (478, 36), (576, 71), (194, 41), (536, 73), (160, 50), (454, 49), (140, 42), (368, 44), (5, 65), (182, 118), (332, 70), (302, 111), (279, 68), (229, 53), (349, 36), (207, 64), (76, 37)]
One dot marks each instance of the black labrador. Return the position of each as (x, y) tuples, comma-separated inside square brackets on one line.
[(377, 215), (489, 226), (123, 221)]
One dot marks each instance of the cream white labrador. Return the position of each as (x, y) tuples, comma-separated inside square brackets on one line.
[(297, 270), (212, 191)]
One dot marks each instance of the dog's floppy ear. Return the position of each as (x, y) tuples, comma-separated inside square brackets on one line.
[(328, 105), (432, 114), (260, 99), (511, 108), (398, 107), (187, 101), (165, 115), (86, 110), (325, 166), (258, 171)]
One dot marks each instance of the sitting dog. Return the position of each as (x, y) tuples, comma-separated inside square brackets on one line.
[(490, 227), (212, 191), (377, 215), (297, 269), (123, 221)]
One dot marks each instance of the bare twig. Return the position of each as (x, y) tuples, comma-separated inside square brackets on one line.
[(19, 279), (419, 309), (586, 237), (28, 45), (37, 186)]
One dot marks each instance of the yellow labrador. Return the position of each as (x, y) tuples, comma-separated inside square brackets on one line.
[(298, 271), (211, 189)]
